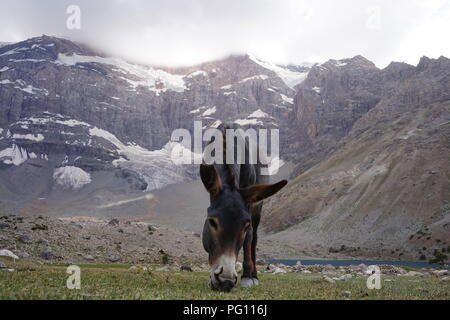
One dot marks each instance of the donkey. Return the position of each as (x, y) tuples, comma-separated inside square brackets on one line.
[(236, 195)]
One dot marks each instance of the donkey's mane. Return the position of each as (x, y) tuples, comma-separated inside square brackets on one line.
[(231, 170)]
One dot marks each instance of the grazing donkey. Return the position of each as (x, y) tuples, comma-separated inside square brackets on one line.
[(236, 195)]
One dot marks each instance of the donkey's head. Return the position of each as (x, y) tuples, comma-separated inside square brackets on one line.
[(228, 222)]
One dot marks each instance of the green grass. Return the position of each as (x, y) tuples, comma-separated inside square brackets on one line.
[(117, 282)]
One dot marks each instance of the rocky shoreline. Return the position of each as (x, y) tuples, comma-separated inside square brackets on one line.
[(85, 240), (88, 240), (343, 273)]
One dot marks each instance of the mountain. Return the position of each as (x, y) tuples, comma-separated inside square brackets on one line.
[(85, 129), (366, 149), (373, 164)]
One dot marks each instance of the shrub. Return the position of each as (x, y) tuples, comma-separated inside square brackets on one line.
[(165, 258), (39, 227), (439, 257)]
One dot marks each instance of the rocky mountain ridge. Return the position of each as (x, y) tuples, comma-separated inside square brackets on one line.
[(64, 105), (84, 132), (373, 174)]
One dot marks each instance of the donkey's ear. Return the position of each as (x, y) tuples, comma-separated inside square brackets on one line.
[(260, 192), (211, 179)]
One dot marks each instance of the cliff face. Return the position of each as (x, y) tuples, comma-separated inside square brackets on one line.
[(380, 183), (83, 132), (338, 93), (63, 105)]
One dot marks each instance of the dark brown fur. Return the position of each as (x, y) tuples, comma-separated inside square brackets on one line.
[(236, 194)]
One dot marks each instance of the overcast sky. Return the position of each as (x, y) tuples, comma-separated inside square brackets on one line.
[(177, 32)]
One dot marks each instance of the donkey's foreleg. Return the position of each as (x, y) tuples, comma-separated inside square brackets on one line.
[(254, 243), (247, 275), (255, 223)]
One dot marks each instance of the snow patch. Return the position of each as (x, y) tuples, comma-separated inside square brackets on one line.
[(71, 177), (216, 124), (198, 110), (16, 155), (53, 118), (289, 77), (275, 163), (32, 137), (209, 111), (21, 85), (12, 51), (340, 63), (259, 114), (316, 89), (27, 60), (32, 90), (154, 79), (258, 77), (246, 122), (408, 135), (197, 73), (7, 253), (286, 99)]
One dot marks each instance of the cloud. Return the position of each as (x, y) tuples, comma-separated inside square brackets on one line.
[(286, 31)]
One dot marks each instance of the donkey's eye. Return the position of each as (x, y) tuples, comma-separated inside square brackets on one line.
[(213, 223)]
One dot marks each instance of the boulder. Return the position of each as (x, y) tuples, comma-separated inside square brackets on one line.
[(279, 270), (89, 257), (186, 268), (23, 254), (346, 293), (113, 258), (329, 267), (25, 239), (270, 268), (413, 274), (344, 277), (327, 279), (114, 222), (48, 254), (43, 241), (164, 268), (440, 272), (8, 253)]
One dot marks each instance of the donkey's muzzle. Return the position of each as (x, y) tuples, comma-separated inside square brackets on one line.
[(227, 286), (224, 286), (218, 283)]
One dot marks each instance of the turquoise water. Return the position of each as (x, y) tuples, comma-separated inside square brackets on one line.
[(338, 263)]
